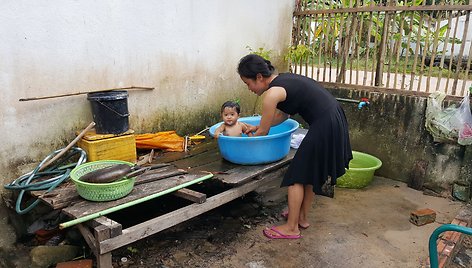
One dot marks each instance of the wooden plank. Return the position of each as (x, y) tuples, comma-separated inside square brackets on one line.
[(66, 194), (106, 229), (216, 167), (150, 227), (60, 197), (114, 227), (243, 174), (152, 175), (89, 238), (203, 158), (376, 8), (191, 195), (84, 207), (101, 232), (170, 157)]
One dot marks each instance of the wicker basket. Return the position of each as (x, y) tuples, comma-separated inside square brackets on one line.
[(101, 191)]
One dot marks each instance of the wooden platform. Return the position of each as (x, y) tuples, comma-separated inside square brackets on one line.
[(103, 235)]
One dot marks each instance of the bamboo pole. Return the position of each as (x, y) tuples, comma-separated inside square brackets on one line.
[(132, 203), (407, 52), (67, 148), (434, 51), (340, 75), (390, 45), (327, 49), (461, 53), (374, 58), (358, 68), (369, 32), (84, 92), (425, 51), (417, 50), (451, 60), (443, 53), (381, 56), (398, 51)]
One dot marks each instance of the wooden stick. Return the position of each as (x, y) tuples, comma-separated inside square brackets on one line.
[(89, 127), (84, 92)]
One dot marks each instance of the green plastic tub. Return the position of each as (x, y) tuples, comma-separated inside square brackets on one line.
[(361, 171)]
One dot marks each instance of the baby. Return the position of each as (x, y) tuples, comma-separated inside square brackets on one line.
[(231, 127)]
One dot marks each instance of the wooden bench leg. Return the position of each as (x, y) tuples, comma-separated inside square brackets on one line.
[(104, 260), (103, 228)]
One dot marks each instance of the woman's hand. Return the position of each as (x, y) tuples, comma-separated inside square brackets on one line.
[(249, 129)]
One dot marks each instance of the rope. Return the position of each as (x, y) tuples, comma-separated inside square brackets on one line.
[(60, 173)]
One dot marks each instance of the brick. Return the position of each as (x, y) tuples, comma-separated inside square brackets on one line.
[(441, 245), (86, 263), (448, 249), (451, 236), (422, 216)]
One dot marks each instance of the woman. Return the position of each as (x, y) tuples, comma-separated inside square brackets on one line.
[(325, 151)]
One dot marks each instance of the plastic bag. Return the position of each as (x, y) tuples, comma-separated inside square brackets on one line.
[(465, 130), (165, 140), (449, 124), (443, 124)]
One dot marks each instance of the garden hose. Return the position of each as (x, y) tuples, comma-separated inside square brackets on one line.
[(60, 173)]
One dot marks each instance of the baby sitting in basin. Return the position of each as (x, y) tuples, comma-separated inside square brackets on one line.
[(231, 127)]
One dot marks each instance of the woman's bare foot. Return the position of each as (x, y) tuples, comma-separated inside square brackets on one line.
[(302, 223), (283, 230)]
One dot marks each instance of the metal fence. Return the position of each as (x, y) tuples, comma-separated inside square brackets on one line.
[(421, 46)]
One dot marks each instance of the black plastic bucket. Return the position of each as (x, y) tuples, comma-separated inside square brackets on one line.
[(110, 111)]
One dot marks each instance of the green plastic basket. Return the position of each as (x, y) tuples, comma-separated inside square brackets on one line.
[(361, 171), (101, 191)]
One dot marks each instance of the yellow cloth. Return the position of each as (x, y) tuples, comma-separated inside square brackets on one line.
[(165, 140)]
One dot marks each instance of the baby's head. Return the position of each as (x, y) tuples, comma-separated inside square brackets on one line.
[(230, 112), (231, 105)]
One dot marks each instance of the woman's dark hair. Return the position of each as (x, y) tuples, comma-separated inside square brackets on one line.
[(252, 64), (231, 104)]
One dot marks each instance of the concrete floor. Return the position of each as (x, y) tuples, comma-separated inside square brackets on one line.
[(358, 228)]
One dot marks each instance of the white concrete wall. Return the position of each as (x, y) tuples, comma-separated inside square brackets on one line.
[(187, 50)]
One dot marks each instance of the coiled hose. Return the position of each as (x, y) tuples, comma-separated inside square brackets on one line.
[(59, 172)]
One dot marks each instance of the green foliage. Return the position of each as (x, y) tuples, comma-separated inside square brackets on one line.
[(132, 250), (297, 53), (261, 52)]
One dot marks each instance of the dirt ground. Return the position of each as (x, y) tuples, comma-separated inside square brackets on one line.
[(358, 228)]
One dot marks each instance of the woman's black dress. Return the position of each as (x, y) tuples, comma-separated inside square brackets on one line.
[(325, 151)]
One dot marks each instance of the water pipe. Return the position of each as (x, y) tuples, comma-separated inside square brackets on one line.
[(364, 102), (31, 180)]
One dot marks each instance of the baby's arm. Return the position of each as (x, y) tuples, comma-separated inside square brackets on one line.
[(219, 130)]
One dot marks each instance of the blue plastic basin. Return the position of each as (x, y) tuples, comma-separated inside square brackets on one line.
[(257, 150)]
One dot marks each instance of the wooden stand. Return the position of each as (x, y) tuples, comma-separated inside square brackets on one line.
[(104, 235)]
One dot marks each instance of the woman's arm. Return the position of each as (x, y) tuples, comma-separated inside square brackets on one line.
[(270, 114), (248, 128)]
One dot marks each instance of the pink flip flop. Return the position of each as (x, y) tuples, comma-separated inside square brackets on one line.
[(278, 235), (284, 215)]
